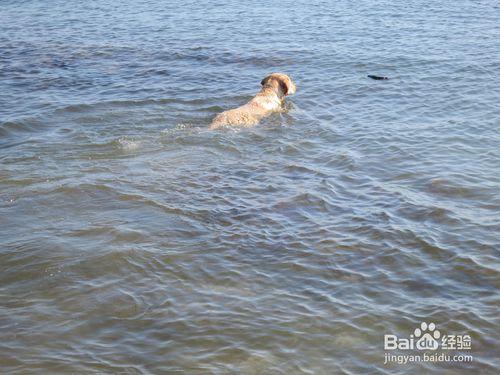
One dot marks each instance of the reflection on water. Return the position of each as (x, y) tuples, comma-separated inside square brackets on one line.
[(133, 239)]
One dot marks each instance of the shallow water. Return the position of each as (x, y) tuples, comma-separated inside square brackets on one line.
[(135, 240)]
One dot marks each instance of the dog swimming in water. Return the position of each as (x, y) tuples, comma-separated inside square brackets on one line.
[(268, 100)]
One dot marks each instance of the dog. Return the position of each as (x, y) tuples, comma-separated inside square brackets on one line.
[(269, 99)]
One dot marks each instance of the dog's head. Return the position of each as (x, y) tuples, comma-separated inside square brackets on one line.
[(280, 80)]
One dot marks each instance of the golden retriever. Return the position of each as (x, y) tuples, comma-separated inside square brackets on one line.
[(270, 99)]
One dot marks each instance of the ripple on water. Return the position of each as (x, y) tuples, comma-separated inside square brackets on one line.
[(134, 239)]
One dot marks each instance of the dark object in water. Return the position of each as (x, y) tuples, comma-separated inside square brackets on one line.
[(379, 78)]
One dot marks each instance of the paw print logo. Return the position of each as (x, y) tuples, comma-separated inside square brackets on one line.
[(427, 336)]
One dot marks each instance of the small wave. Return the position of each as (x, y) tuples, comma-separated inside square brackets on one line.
[(128, 145), (83, 107), (10, 128), (449, 188)]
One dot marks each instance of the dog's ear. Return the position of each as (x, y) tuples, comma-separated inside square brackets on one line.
[(287, 85), (265, 80), (284, 86)]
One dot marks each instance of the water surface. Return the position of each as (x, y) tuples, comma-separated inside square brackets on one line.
[(134, 240)]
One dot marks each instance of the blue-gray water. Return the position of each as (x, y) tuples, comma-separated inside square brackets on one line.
[(135, 240)]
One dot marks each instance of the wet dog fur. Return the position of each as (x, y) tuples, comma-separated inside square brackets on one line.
[(268, 100)]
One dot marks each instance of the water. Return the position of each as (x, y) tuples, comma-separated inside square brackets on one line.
[(135, 240)]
